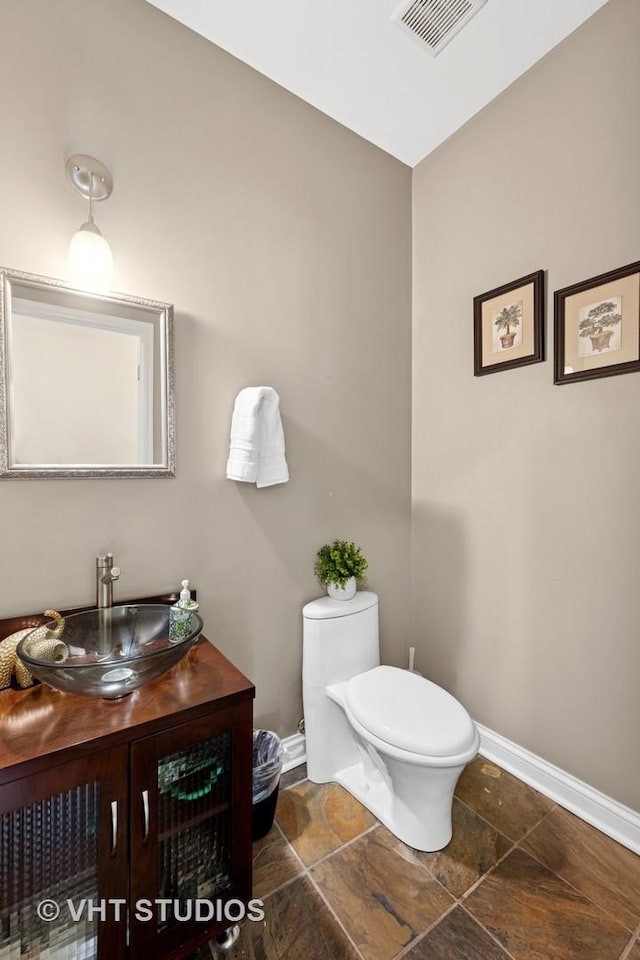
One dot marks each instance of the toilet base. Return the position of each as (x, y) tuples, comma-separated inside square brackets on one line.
[(429, 832)]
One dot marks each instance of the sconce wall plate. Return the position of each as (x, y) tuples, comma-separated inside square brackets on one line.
[(81, 170)]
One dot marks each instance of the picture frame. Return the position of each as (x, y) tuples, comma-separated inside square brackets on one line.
[(508, 325), (597, 326)]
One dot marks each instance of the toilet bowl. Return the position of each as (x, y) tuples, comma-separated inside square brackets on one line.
[(395, 740)]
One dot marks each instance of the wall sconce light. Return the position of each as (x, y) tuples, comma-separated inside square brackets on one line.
[(90, 257)]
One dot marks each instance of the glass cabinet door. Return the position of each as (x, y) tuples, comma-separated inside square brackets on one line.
[(194, 824), (190, 829), (63, 850)]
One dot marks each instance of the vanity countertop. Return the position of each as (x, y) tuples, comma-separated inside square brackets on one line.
[(39, 723)]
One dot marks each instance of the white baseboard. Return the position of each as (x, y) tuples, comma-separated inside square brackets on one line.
[(294, 751), (607, 815)]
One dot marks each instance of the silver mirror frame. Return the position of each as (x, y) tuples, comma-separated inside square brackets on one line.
[(108, 471)]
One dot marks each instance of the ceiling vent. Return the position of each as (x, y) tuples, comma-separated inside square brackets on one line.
[(434, 23)]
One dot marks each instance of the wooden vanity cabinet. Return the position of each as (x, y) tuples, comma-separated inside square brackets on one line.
[(107, 807)]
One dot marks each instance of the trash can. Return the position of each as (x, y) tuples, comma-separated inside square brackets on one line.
[(267, 767)]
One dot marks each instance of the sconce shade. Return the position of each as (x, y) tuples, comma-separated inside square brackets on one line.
[(90, 259)]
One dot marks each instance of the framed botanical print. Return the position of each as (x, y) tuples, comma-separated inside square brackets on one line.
[(508, 325), (597, 326)]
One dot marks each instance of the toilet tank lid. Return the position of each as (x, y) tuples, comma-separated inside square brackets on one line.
[(410, 712), (324, 608)]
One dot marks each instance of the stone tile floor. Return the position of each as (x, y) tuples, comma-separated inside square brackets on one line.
[(522, 879)]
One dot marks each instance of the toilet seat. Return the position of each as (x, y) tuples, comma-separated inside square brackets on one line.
[(410, 713)]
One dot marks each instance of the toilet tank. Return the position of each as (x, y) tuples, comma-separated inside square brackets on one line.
[(340, 638)]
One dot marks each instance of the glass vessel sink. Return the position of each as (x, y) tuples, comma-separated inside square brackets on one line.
[(110, 652)]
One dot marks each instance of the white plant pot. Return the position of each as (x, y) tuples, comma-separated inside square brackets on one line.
[(347, 592)]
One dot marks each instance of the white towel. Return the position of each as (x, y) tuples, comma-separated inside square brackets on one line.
[(256, 448)]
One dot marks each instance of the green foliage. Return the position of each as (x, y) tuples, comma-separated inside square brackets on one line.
[(338, 561)]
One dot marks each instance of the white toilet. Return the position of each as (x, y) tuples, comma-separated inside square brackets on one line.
[(393, 739)]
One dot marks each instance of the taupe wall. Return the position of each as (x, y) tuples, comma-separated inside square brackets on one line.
[(526, 516), (284, 242)]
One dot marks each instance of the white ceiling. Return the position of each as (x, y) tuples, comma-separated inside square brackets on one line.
[(349, 60)]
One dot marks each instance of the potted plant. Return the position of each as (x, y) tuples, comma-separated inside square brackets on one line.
[(508, 317), (601, 316), (341, 566)]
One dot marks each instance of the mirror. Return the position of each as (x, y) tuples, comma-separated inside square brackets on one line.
[(86, 382)]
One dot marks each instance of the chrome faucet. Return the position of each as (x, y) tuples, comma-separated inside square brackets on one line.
[(106, 573)]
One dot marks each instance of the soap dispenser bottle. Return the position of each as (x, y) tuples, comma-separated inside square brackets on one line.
[(185, 601), (180, 614)]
